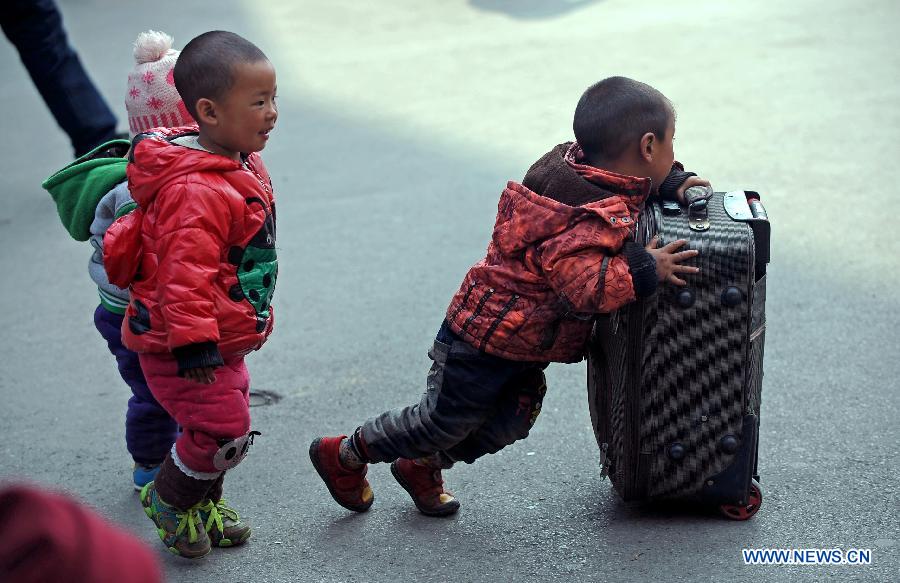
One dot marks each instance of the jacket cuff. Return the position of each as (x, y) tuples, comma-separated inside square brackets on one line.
[(197, 356), (677, 175), (643, 269)]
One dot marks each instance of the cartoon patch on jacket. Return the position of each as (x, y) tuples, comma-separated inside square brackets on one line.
[(257, 268)]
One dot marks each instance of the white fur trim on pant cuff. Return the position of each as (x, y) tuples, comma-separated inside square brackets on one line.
[(189, 472)]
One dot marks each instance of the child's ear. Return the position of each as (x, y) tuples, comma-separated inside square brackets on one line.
[(648, 145), (206, 112)]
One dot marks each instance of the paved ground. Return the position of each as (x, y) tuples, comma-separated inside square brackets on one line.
[(399, 125)]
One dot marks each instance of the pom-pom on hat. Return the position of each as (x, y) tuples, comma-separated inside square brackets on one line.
[(152, 100)]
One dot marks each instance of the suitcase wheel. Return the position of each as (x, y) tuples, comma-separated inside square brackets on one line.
[(744, 512)]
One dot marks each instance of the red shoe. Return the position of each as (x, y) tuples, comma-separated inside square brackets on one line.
[(426, 486), (349, 488)]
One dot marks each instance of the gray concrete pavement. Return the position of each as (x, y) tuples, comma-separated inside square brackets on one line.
[(400, 122)]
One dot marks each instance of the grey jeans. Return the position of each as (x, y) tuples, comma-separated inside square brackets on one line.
[(474, 404)]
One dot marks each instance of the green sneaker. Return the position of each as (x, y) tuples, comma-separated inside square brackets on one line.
[(223, 524), (180, 530)]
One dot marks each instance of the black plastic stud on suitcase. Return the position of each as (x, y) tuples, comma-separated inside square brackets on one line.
[(674, 380)]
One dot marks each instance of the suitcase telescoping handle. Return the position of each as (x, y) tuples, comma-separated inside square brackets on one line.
[(746, 206), (756, 206)]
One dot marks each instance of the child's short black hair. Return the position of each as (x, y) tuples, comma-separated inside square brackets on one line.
[(205, 67), (615, 113)]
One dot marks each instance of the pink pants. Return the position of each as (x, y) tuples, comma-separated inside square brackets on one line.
[(209, 415)]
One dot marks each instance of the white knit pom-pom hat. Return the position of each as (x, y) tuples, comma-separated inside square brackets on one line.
[(152, 100)]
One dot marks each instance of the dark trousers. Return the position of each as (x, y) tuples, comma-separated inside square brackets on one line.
[(149, 430), (35, 28), (475, 404)]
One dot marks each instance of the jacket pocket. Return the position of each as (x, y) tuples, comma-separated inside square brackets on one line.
[(139, 323), (498, 320), (123, 249)]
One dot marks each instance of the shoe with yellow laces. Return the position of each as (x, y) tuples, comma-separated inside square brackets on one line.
[(182, 531), (223, 524)]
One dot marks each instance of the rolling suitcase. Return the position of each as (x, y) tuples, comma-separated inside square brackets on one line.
[(674, 380)]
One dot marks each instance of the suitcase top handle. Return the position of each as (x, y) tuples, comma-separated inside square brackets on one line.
[(697, 199)]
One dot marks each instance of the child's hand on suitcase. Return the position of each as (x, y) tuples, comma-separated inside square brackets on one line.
[(205, 375), (668, 262), (691, 181)]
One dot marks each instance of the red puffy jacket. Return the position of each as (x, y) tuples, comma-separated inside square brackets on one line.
[(551, 266), (198, 254)]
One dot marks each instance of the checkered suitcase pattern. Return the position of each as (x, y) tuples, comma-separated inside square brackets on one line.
[(674, 380)]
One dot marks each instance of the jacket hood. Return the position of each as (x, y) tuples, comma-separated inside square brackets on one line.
[(560, 174), (156, 161), (78, 187), (525, 218), (558, 192)]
